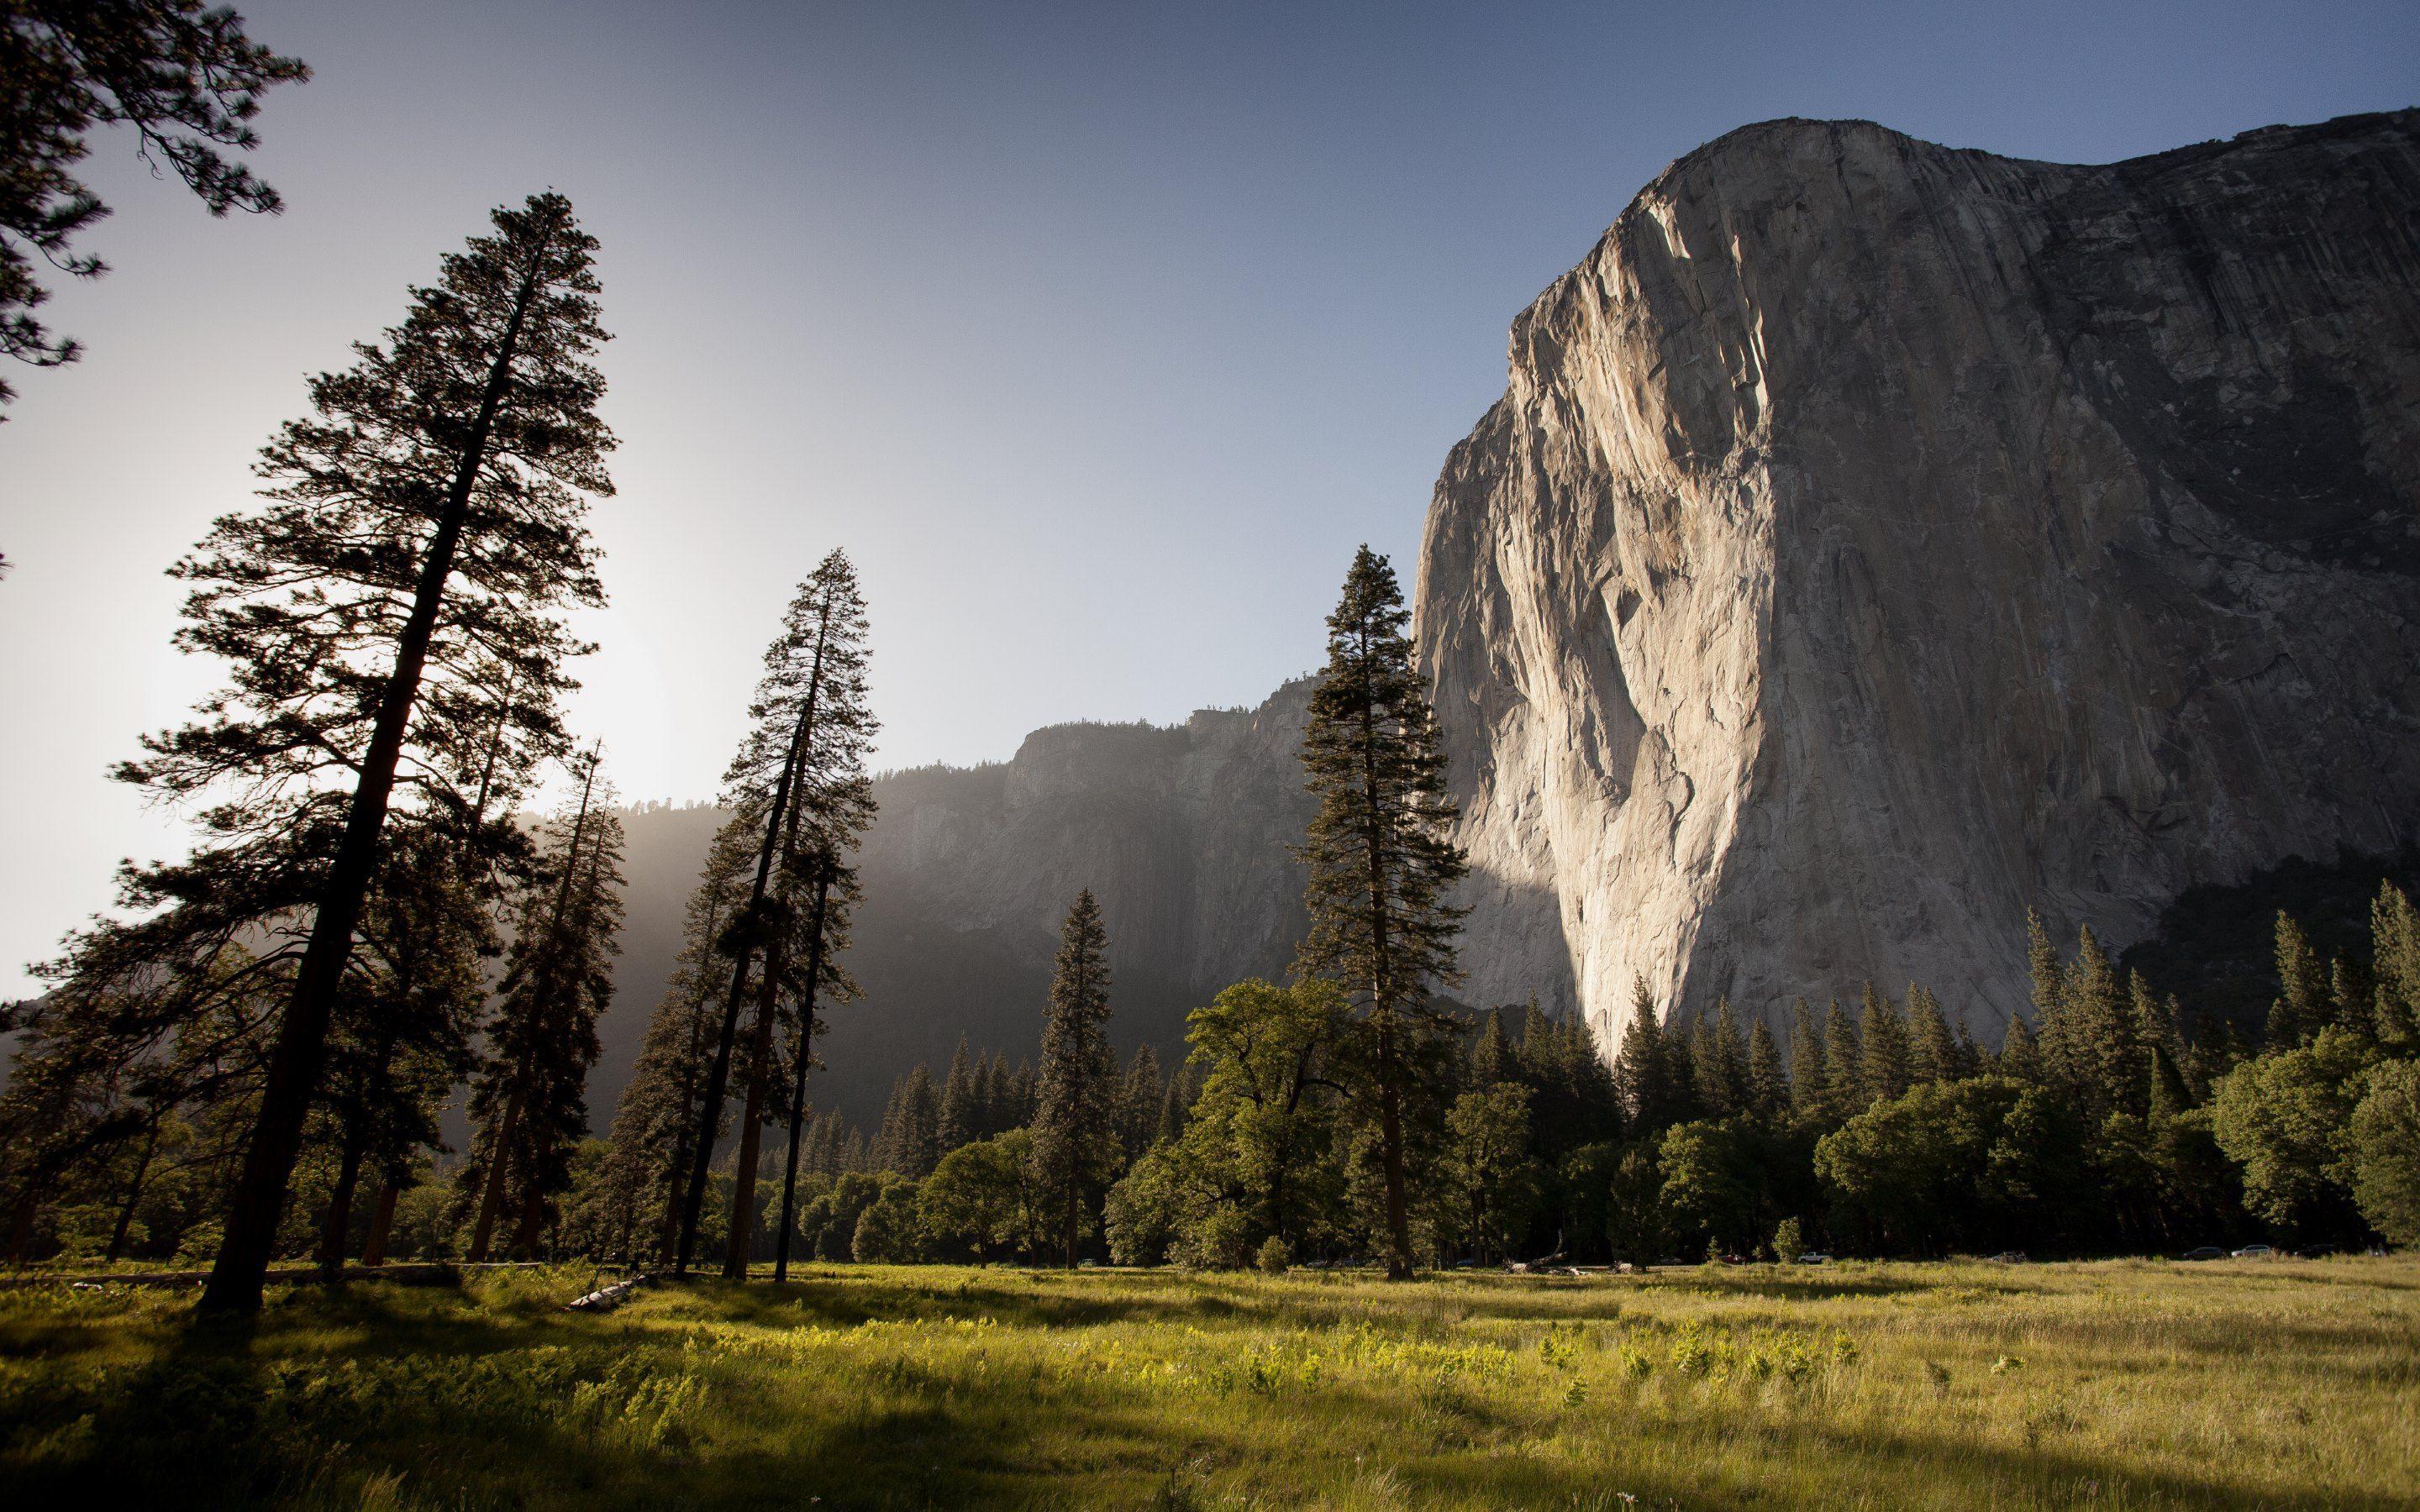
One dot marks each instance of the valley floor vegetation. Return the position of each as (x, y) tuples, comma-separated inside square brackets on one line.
[(2133, 1384)]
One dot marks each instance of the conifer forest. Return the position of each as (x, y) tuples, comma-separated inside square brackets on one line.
[(311, 1195)]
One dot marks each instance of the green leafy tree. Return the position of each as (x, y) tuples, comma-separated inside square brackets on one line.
[(2284, 1117), (1493, 1179), (186, 78), (985, 1196), (2383, 1148), (1981, 1162), (1263, 1131), (1380, 863), (890, 1231), (1073, 1127), (1715, 1180), (1635, 1217)]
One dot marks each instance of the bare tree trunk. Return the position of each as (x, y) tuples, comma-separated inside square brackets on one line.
[(491, 1197), (339, 1223), (259, 1197), (1382, 1007), (383, 1221), (491, 1188), (806, 1057), (717, 1080), (526, 1233), (786, 802), (752, 1129), (21, 1224), (133, 1193)]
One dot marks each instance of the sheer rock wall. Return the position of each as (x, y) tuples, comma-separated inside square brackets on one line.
[(1877, 540)]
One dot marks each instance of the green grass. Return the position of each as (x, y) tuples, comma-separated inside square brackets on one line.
[(2122, 1384)]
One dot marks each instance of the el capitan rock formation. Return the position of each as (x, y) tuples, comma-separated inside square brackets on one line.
[(1875, 540), (1878, 540)]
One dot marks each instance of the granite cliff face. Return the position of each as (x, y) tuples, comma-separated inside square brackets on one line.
[(1876, 541)]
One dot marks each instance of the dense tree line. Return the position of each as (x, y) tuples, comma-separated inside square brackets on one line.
[(1345, 1114)]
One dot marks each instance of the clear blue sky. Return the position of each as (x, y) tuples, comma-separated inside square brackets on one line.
[(1099, 334)]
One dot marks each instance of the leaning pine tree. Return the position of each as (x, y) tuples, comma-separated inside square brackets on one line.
[(529, 1097), (1380, 860), (423, 531), (803, 753), (1075, 1127), (819, 933)]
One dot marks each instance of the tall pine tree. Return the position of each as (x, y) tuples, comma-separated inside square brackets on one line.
[(655, 1125), (1073, 1131), (815, 666), (529, 1099), (1380, 860), (423, 531)]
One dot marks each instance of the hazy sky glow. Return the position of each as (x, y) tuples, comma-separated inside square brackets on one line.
[(1098, 335)]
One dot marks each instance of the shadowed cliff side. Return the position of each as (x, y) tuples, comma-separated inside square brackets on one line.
[(1182, 832)]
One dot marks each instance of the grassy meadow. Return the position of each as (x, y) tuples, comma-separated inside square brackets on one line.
[(2115, 1385)]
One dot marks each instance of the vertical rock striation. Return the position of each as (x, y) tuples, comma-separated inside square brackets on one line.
[(1876, 541)]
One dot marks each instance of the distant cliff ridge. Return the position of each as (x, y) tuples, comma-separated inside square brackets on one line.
[(1876, 541), (1182, 831)]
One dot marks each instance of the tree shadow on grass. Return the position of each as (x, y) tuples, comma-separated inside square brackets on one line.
[(846, 1303)]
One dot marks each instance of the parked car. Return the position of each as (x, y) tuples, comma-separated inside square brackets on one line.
[(2256, 1252), (2010, 1256), (2206, 1251), (1814, 1257)]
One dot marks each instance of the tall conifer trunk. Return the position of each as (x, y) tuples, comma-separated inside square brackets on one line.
[(302, 1049), (383, 1220), (751, 1126), (717, 1079), (339, 1223), (491, 1191), (1381, 860), (805, 1058), (134, 1192)]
